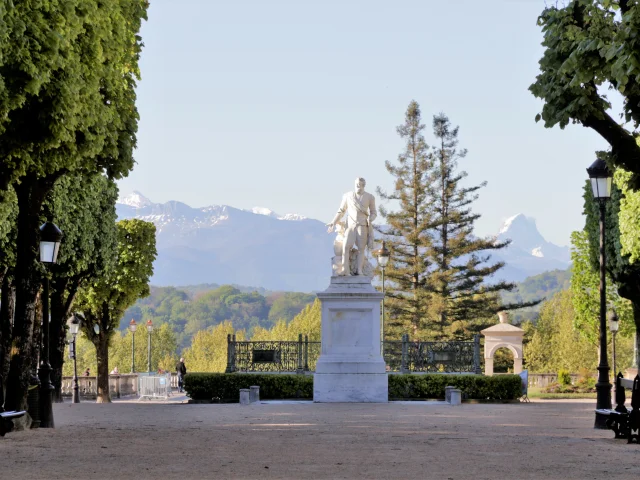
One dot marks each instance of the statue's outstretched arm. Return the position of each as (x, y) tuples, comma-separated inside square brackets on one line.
[(341, 210)]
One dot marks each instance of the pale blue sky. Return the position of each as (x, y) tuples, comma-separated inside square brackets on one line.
[(281, 104)]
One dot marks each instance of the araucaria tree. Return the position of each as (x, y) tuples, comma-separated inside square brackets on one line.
[(460, 263), (407, 230), (105, 300), (438, 270)]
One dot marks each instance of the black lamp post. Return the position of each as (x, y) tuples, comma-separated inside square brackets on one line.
[(50, 238), (74, 326), (613, 327), (382, 256), (600, 177), (132, 329), (149, 329)]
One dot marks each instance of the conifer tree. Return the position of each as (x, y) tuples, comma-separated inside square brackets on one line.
[(460, 261), (437, 276), (406, 231)]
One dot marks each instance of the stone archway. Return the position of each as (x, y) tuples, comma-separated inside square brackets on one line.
[(503, 335)]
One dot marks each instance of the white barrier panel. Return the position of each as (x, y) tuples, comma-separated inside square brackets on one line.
[(154, 386)]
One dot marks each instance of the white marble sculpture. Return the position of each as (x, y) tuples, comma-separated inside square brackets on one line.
[(360, 209), (337, 265)]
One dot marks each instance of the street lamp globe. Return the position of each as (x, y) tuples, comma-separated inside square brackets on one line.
[(132, 326), (149, 326), (382, 255), (614, 322), (600, 177), (50, 238), (74, 325)]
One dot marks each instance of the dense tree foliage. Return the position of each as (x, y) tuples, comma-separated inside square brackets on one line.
[(87, 217), (193, 309), (104, 301), (163, 352), (67, 106), (585, 283), (537, 287), (555, 343), (591, 45), (306, 323), (208, 350), (623, 273)]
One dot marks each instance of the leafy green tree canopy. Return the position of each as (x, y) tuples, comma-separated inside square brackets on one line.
[(591, 45)]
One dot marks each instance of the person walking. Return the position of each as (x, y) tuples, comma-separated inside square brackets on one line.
[(181, 369)]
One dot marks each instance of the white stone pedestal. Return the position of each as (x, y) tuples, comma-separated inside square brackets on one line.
[(350, 367)]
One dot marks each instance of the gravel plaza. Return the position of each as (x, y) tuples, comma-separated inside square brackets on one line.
[(291, 440)]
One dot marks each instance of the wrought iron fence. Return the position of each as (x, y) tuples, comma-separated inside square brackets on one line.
[(400, 356), (272, 356)]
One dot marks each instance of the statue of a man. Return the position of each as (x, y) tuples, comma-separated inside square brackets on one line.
[(360, 208)]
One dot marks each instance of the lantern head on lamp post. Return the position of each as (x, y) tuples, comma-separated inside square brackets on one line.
[(74, 327), (149, 329), (382, 256), (600, 177), (50, 238), (614, 324), (132, 329)]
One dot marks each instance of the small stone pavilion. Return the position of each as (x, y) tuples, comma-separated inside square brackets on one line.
[(502, 335)]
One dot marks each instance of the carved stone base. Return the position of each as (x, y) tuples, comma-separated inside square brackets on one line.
[(350, 367), (350, 387)]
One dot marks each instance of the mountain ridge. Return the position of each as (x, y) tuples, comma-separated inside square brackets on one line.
[(226, 245)]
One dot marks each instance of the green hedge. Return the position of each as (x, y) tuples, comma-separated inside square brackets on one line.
[(226, 387), (478, 387)]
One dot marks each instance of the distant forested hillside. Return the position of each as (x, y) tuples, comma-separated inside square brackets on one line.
[(537, 287), (191, 309)]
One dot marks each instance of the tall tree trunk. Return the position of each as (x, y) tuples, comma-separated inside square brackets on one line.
[(61, 302), (31, 193), (102, 352), (7, 304)]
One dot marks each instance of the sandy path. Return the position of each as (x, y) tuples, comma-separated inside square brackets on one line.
[(163, 441)]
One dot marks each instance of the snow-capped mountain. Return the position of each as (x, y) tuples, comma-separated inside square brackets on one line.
[(529, 253), (222, 244)]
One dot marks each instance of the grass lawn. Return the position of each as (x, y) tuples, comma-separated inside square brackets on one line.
[(534, 392)]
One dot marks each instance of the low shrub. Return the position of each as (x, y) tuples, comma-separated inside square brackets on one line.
[(225, 387), (564, 377), (497, 387), (587, 385)]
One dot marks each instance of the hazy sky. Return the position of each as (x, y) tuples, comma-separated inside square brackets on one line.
[(282, 104)]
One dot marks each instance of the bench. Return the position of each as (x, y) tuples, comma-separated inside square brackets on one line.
[(6, 417), (625, 423)]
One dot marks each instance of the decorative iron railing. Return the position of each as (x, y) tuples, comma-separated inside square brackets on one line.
[(400, 356), (272, 356)]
